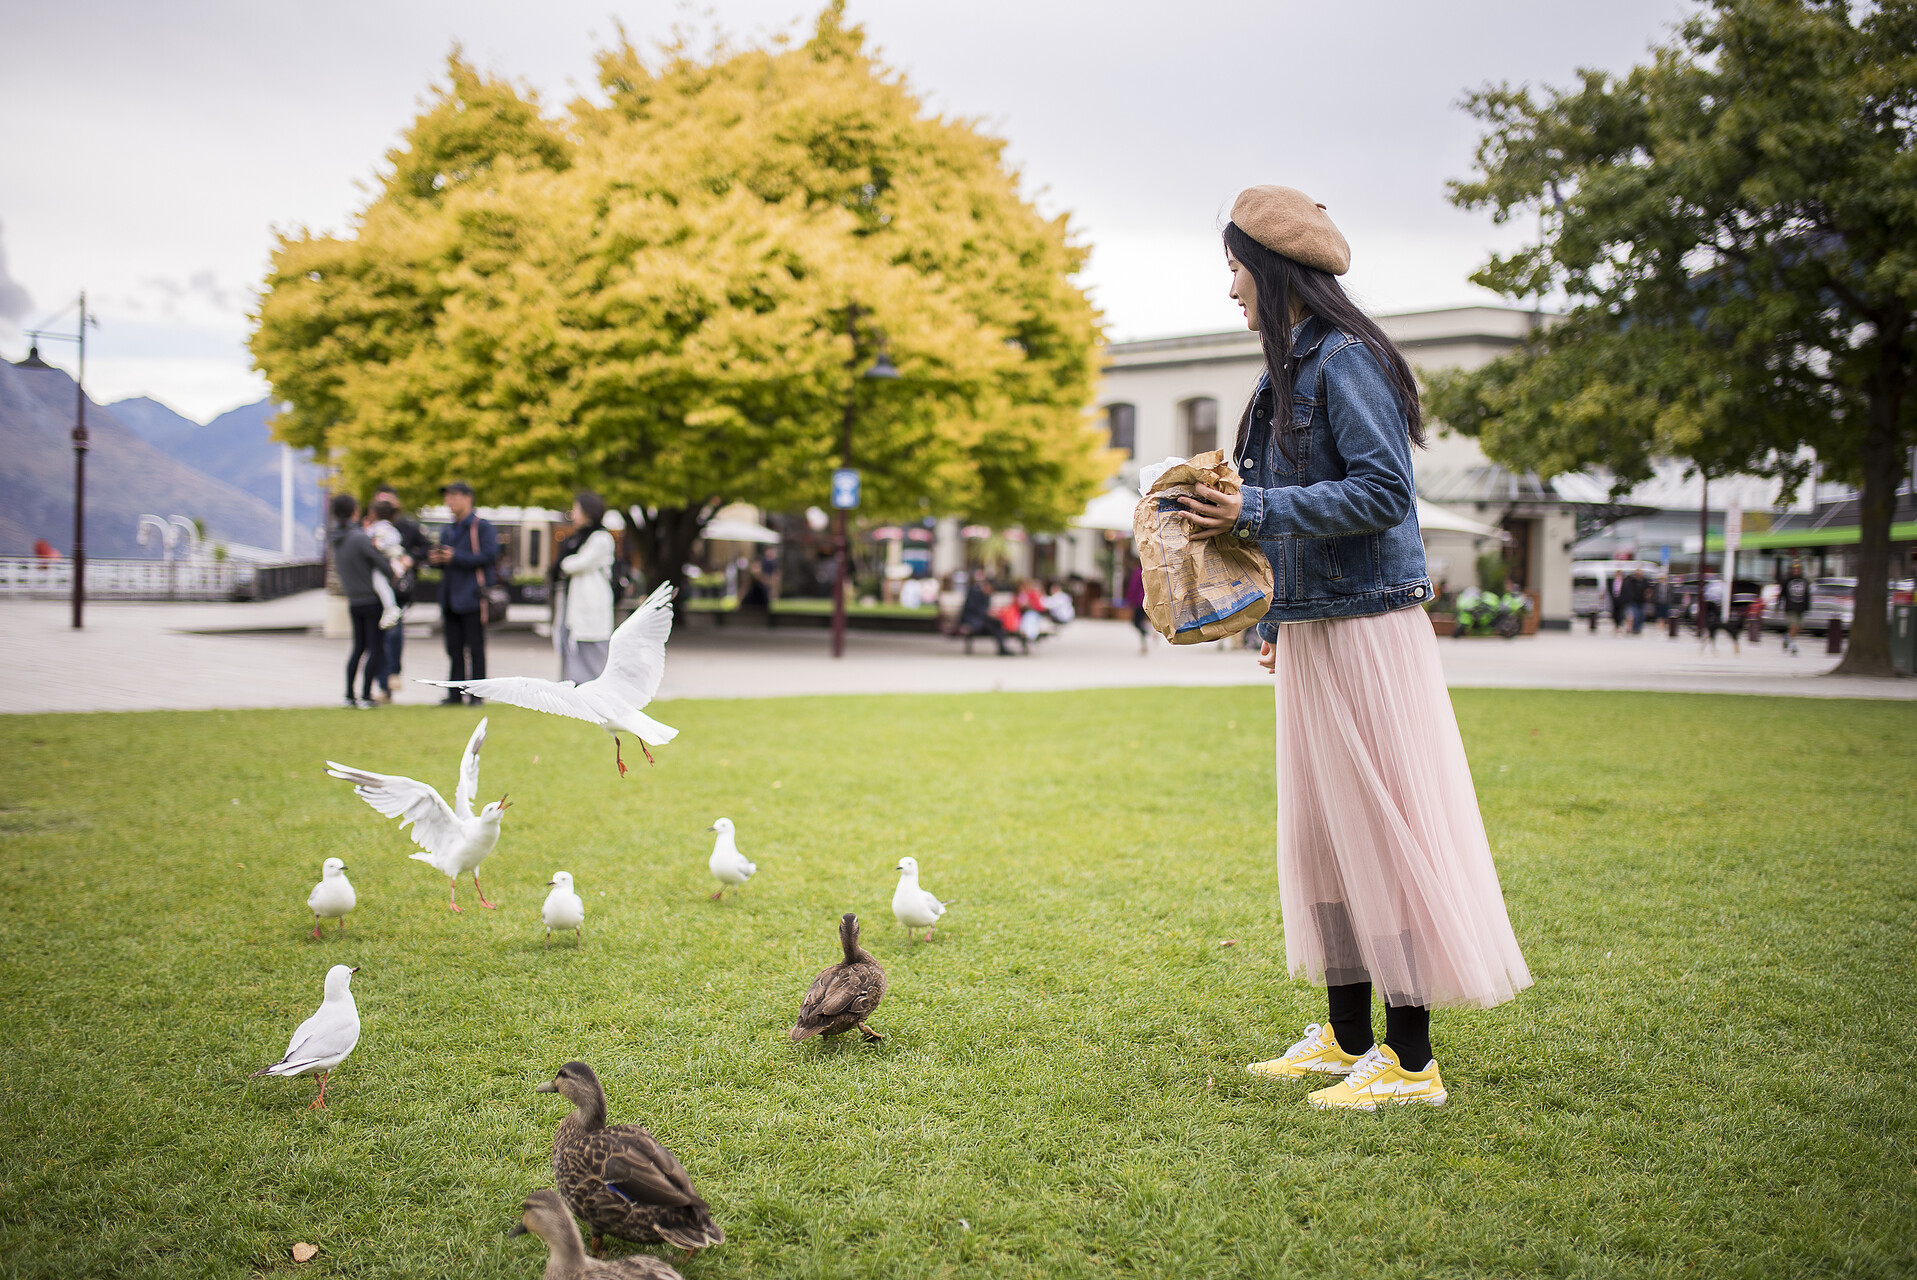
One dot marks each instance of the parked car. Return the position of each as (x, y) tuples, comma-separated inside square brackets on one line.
[(1745, 593), (1837, 598)]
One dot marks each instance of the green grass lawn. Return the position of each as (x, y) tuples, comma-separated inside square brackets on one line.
[(1712, 1077)]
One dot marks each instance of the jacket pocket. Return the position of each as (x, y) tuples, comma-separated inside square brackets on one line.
[(1290, 449)]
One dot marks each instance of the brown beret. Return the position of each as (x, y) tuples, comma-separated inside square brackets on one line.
[(1286, 220)]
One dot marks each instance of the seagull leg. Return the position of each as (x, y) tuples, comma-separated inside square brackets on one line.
[(578, 939), (490, 906), (316, 924), (928, 935), (548, 938), (321, 1100), (342, 926), (617, 758), (647, 751), (452, 895)]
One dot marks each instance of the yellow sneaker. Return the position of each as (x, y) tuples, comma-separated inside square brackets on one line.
[(1377, 1079), (1318, 1051)]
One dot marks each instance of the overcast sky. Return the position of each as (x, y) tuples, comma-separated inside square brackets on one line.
[(151, 149)]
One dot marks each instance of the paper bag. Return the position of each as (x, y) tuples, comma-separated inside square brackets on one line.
[(1197, 591)]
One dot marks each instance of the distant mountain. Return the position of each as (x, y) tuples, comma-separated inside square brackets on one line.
[(127, 475), (237, 447)]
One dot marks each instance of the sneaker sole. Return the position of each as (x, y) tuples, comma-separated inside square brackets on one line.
[(1436, 1100), (1253, 1070)]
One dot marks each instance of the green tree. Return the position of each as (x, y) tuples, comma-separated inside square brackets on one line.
[(1735, 226), (669, 296)]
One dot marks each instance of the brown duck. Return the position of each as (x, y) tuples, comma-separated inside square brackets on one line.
[(546, 1216), (846, 994), (618, 1178)]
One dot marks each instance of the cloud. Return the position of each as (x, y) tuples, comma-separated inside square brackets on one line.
[(14, 299)]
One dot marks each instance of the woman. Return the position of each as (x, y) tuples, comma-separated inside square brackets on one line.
[(1385, 877), (361, 571), (581, 578)]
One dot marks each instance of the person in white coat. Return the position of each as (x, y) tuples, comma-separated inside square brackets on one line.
[(582, 611)]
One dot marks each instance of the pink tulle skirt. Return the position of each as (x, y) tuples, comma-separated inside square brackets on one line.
[(1384, 872)]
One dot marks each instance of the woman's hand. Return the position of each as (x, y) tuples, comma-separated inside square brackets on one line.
[(1267, 656), (1211, 513)]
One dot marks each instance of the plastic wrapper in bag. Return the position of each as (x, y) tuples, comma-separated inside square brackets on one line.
[(1197, 591)]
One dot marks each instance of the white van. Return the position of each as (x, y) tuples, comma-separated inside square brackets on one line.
[(1588, 579)]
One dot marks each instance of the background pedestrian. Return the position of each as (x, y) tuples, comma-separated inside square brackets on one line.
[(581, 578), (359, 565), (467, 551)]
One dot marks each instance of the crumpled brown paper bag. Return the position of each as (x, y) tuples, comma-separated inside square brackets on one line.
[(1197, 591)]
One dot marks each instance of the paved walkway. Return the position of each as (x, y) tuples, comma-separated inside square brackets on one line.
[(143, 656)]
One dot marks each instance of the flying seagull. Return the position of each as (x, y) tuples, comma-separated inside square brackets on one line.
[(455, 839), (635, 663)]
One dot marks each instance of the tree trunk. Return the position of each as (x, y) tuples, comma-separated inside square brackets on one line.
[(665, 544), (1869, 650)]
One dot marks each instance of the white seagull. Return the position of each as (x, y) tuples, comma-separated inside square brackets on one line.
[(323, 1040), (456, 839), (564, 909), (635, 663), (333, 896), (728, 865), (914, 907)]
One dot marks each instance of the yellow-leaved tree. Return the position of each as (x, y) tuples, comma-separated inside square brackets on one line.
[(670, 297)]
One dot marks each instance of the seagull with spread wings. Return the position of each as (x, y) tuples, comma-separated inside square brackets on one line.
[(635, 664), (455, 839)]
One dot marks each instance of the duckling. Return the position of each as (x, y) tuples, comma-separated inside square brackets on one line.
[(844, 995), (618, 1178), (545, 1215)]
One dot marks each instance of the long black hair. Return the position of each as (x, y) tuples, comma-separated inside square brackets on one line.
[(591, 506), (1286, 285)]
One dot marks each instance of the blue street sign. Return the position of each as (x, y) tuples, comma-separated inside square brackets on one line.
[(845, 489)]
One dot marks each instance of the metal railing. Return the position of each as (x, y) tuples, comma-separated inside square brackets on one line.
[(29, 577)]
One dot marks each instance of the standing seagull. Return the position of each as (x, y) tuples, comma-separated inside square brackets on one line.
[(914, 907), (727, 864), (635, 663), (333, 896), (456, 839), (323, 1040), (563, 909)]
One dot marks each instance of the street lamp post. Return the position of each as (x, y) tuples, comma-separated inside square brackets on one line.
[(845, 481), (79, 452)]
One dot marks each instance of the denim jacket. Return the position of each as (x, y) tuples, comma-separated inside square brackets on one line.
[(1338, 520)]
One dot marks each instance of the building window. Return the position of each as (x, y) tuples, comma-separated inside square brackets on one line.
[(1121, 424), (1201, 425)]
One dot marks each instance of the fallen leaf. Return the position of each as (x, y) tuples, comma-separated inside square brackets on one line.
[(1229, 942), (303, 1252)]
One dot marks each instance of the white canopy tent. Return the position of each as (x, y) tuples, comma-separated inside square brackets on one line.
[(1111, 510), (725, 529), (1434, 519)]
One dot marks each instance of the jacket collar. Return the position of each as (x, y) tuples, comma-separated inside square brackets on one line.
[(1306, 337)]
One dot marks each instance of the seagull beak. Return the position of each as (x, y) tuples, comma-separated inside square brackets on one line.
[(519, 1230), (713, 827), (551, 883), (503, 806), (355, 968)]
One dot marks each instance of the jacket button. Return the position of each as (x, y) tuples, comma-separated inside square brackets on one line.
[(1417, 593)]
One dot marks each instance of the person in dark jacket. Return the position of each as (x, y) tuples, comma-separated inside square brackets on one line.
[(412, 541), (975, 615), (1632, 595), (465, 555), (357, 562), (1794, 598)]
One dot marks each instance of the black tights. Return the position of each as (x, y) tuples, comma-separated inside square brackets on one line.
[(367, 643), (1407, 1026)]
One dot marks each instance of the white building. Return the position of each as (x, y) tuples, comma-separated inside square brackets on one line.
[(1179, 396)]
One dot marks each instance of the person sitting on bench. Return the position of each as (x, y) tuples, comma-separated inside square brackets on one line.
[(975, 617)]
